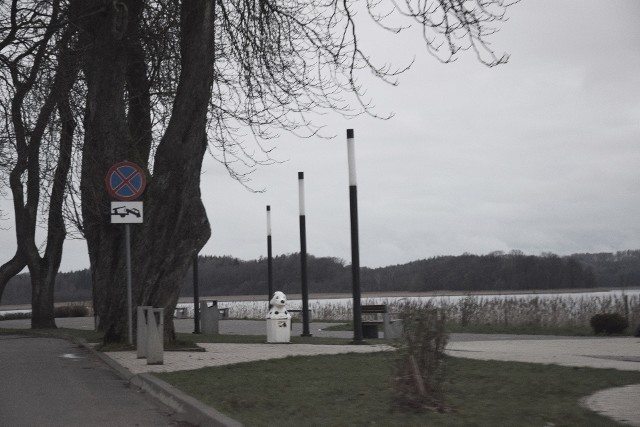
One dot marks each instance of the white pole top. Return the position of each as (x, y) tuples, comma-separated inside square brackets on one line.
[(351, 155), (268, 220), (301, 192)]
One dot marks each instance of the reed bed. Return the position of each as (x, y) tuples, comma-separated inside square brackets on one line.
[(548, 311)]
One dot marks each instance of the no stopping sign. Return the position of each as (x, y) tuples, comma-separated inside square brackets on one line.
[(125, 181)]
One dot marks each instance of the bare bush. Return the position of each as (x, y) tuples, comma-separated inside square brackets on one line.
[(72, 310), (420, 364)]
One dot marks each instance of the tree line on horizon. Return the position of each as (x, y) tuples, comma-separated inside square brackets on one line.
[(497, 271)]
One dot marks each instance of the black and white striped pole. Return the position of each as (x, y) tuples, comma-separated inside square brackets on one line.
[(269, 256), (196, 297), (303, 258), (355, 249)]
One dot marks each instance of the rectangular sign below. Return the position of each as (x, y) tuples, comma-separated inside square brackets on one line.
[(126, 212)]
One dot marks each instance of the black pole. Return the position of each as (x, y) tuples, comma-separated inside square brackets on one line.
[(303, 258), (355, 249), (196, 297), (269, 256)]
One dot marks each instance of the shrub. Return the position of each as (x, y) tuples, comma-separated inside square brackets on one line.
[(420, 361), (71, 310), (608, 323), (637, 332), (15, 316)]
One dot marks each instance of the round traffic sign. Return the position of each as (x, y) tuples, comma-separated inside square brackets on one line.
[(125, 181)]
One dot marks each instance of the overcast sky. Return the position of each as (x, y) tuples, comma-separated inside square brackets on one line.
[(540, 155)]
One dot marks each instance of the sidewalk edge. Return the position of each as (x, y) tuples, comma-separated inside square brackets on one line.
[(190, 409), (198, 413)]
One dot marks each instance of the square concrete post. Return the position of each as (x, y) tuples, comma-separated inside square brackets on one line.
[(155, 336), (141, 331)]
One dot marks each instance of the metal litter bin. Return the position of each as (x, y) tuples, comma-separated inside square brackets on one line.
[(278, 330), (209, 317), (369, 330)]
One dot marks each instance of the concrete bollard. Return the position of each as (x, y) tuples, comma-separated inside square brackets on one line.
[(141, 331), (209, 317), (155, 336)]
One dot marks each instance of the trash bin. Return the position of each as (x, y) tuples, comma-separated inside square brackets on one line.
[(209, 317), (278, 320), (392, 327), (369, 330)]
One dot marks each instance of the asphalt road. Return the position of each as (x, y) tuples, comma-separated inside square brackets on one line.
[(53, 382)]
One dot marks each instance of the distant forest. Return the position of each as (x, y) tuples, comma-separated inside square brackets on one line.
[(496, 271)]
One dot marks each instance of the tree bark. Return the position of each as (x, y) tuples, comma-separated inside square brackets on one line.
[(175, 223)]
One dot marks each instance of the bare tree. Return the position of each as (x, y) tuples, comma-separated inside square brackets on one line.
[(226, 65), (39, 70)]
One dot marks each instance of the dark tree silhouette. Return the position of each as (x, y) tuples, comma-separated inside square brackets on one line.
[(37, 73)]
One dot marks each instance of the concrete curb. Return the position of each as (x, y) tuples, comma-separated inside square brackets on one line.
[(186, 407), (194, 411)]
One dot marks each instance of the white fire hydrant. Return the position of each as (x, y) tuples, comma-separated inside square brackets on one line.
[(278, 320)]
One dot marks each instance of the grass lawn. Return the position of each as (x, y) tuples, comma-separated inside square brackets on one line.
[(355, 389), (500, 329), (86, 334)]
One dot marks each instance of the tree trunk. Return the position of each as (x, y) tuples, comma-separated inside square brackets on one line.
[(42, 269), (43, 278), (42, 314), (178, 226), (175, 223)]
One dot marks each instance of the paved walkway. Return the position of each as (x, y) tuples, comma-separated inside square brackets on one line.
[(621, 403), (615, 353), (226, 354)]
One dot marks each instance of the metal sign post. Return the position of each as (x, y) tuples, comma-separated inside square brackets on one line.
[(127, 232), (126, 182)]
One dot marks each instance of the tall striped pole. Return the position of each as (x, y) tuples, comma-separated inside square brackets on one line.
[(303, 258), (196, 297), (355, 249), (269, 256)]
